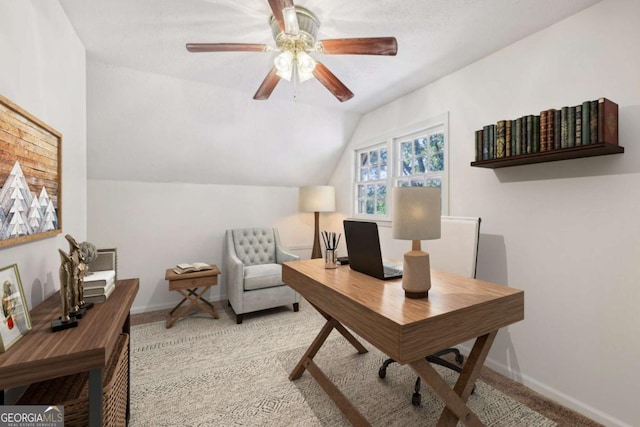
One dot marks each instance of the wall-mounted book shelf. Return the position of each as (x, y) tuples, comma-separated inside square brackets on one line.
[(584, 130), (599, 149)]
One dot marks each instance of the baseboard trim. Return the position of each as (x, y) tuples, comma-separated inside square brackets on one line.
[(553, 394), (167, 305)]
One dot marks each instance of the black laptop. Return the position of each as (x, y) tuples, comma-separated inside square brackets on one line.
[(363, 247)]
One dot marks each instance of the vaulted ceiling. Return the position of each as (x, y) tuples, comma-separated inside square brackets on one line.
[(435, 38)]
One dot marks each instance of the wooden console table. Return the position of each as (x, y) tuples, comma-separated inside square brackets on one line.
[(41, 354)]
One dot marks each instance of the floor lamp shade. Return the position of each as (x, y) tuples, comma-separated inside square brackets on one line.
[(316, 199), (416, 217)]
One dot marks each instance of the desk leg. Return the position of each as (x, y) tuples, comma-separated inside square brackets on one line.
[(95, 397), (344, 332), (306, 362), (454, 399)]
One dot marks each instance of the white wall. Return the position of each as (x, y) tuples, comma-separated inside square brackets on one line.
[(43, 70), (565, 232), (156, 226)]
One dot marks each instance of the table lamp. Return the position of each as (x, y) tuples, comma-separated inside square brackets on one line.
[(416, 217), (316, 199)]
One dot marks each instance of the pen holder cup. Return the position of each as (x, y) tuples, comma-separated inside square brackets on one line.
[(330, 260)]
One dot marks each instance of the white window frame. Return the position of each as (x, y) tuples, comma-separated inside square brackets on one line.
[(392, 141)]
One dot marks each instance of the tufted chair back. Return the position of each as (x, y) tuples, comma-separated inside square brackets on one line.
[(255, 245)]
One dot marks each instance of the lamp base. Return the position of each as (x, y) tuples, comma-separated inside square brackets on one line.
[(416, 294), (416, 274)]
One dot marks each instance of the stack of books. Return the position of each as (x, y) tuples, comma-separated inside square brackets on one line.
[(99, 285)]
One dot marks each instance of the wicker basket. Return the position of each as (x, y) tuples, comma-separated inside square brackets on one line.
[(72, 391)]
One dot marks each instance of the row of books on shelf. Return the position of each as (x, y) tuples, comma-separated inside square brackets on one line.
[(99, 285), (591, 122)]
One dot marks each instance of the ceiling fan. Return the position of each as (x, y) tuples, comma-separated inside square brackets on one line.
[(294, 30)]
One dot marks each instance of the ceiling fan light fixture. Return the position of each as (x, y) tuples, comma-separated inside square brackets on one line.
[(284, 65), (290, 18), (306, 64)]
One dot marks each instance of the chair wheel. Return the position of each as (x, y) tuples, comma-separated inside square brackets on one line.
[(459, 358), (416, 399), (382, 372)]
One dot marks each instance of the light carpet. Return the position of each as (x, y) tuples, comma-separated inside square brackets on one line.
[(205, 372)]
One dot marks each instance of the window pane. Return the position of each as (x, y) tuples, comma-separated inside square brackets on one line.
[(370, 207), (362, 206), (383, 171), (382, 191), (371, 191), (373, 157), (363, 174), (405, 149), (434, 182), (364, 159), (381, 207), (417, 183), (360, 191), (373, 173), (406, 167), (403, 183), (419, 165), (436, 152), (420, 146), (383, 155)]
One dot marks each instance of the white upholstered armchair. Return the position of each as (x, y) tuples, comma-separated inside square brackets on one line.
[(252, 259)]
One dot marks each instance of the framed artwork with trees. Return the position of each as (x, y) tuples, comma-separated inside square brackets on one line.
[(30, 177)]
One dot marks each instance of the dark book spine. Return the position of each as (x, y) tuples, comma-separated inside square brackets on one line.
[(485, 143), (578, 124), (571, 127), (607, 121), (550, 128), (564, 127), (536, 134), (492, 140), (523, 138), (557, 114), (593, 122), (501, 129), (586, 118), (529, 134), (517, 137), (543, 130), (478, 145), (508, 139)]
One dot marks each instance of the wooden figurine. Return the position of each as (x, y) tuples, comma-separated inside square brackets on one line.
[(65, 321)]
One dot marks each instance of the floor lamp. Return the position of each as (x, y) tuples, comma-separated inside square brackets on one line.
[(316, 199), (416, 217)]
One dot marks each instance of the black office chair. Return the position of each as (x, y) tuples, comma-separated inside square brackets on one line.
[(457, 252)]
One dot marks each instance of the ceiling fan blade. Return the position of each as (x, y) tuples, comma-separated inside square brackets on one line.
[(276, 9), (268, 85), (227, 47), (331, 82), (359, 46)]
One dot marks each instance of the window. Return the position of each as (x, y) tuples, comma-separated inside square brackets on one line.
[(416, 157), (371, 187)]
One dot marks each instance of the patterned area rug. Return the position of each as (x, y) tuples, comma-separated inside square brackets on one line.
[(205, 372)]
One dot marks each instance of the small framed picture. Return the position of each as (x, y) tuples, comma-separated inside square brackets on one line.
[(14, 317)]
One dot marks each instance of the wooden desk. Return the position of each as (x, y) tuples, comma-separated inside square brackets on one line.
[(408, 330), (187, 285), (41, 354)]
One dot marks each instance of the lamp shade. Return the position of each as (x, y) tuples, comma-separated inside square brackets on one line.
[(416, 213), (317, 198)]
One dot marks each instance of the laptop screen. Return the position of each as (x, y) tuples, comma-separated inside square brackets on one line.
[(363, 248)]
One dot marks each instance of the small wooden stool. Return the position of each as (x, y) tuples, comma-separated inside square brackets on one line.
[(191, 286)]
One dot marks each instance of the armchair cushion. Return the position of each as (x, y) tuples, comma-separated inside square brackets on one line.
[(262, 276), (255, 245)]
